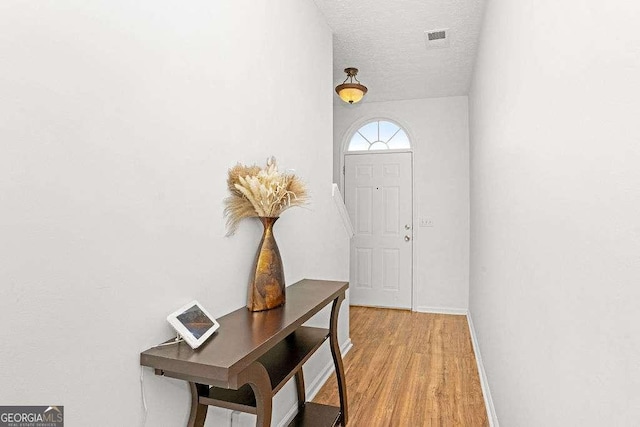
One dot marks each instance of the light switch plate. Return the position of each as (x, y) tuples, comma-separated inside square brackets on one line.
[(426, 222)]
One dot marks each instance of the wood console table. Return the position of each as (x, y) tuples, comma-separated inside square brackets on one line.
[(252, 356)]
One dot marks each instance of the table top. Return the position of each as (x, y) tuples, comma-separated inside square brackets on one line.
[(243, 336)]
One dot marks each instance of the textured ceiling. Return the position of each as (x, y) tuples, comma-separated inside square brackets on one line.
[(385, 40)]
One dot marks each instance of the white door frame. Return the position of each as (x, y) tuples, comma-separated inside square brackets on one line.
[(343, 151)]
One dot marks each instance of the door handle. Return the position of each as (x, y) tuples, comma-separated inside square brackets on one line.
[(407, 238)]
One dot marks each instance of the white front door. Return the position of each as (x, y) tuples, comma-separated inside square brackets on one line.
[(378, 193)]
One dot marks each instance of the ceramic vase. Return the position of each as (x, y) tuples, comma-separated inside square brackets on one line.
[(266, 286)]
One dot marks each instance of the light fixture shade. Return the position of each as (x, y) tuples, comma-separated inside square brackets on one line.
[(351, 92)]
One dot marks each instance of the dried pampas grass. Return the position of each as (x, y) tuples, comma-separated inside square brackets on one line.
[(259, 192)]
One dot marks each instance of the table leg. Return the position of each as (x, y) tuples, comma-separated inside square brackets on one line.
[(198, 411), (337, 358), (258, 378), (300, 388)]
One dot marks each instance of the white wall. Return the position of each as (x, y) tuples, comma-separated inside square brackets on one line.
[(118, 122), (555, 203), (439, 131)]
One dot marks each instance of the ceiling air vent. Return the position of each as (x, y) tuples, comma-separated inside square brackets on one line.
[(437, 38)]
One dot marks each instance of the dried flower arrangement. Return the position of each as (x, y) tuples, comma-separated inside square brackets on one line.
[(261, 192)]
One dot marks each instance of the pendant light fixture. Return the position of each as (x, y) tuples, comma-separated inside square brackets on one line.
[(351, 92)]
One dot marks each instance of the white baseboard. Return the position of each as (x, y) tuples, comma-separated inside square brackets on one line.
[(484, 383), (328, 370), (442, 310), (316, 384)]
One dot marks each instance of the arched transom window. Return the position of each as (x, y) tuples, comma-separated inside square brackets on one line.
[(379, 135)]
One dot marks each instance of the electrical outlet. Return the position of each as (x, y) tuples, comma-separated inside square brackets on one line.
[(426, 222)]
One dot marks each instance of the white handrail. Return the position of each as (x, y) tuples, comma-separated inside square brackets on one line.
[(342, 210)]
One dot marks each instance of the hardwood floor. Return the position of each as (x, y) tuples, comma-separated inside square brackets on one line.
[(409, 369)]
